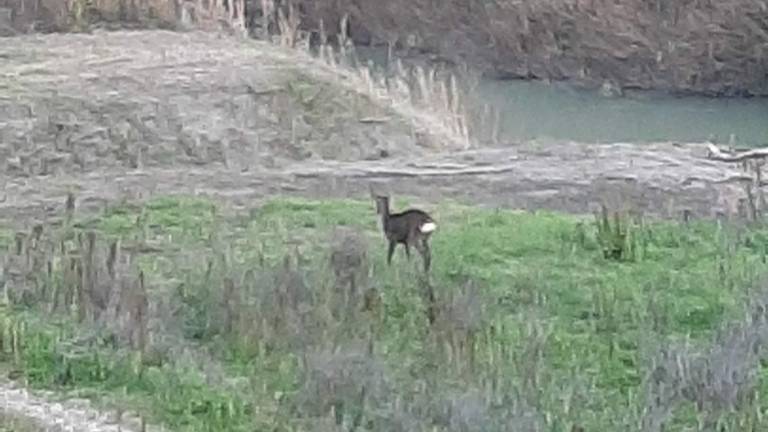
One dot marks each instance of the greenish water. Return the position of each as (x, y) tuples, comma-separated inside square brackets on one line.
[(535, 110)]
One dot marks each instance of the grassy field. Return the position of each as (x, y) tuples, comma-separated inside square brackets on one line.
[(200, 320)]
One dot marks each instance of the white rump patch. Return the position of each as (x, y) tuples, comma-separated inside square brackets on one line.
[(428, 227)]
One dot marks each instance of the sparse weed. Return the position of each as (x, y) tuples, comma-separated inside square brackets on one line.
[(618, 235)]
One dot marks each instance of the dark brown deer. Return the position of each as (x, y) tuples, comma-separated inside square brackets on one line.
[(411, 227)]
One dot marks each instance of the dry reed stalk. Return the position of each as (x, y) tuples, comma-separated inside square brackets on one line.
[(140, 316), (349, 263), (457, 322), (289, 26), (230, 299), (267, 11), (215, 12)]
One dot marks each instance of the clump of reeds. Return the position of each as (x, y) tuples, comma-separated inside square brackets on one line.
[(459, 320), (79, 274), (619, 235), (718, 380), (343, 382), (349, 262), (435, 101)]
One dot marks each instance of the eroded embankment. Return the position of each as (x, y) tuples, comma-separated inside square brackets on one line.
[(115, 115)]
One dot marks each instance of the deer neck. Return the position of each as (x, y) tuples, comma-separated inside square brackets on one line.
[(385, 216)]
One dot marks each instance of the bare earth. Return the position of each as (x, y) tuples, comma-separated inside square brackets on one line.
[(124, 115)]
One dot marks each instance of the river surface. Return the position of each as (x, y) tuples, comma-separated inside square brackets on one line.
[(535, 110)]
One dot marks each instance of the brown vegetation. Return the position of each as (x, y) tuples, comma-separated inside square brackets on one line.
[(79, 15), (693, 46), (58, 15), (688, 46)]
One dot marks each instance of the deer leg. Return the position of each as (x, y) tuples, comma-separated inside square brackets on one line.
[(391, 251), (411, 240), (427, 256), (423, 247)]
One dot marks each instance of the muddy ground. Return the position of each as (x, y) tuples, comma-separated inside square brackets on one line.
[(124, 115)]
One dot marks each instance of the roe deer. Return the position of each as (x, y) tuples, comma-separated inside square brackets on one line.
[(411, 227)]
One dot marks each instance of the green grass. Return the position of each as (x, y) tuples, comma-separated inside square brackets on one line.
[(552, 307), (6, 238)]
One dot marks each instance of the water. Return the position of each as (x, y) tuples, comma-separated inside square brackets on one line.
[(535, 110)]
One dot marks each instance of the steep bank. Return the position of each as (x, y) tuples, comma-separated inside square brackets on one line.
[(699, 47), (714, 48)]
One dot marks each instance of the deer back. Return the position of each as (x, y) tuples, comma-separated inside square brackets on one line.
[(405, 224)]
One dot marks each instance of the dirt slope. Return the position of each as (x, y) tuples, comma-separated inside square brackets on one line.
[(128, 113)]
